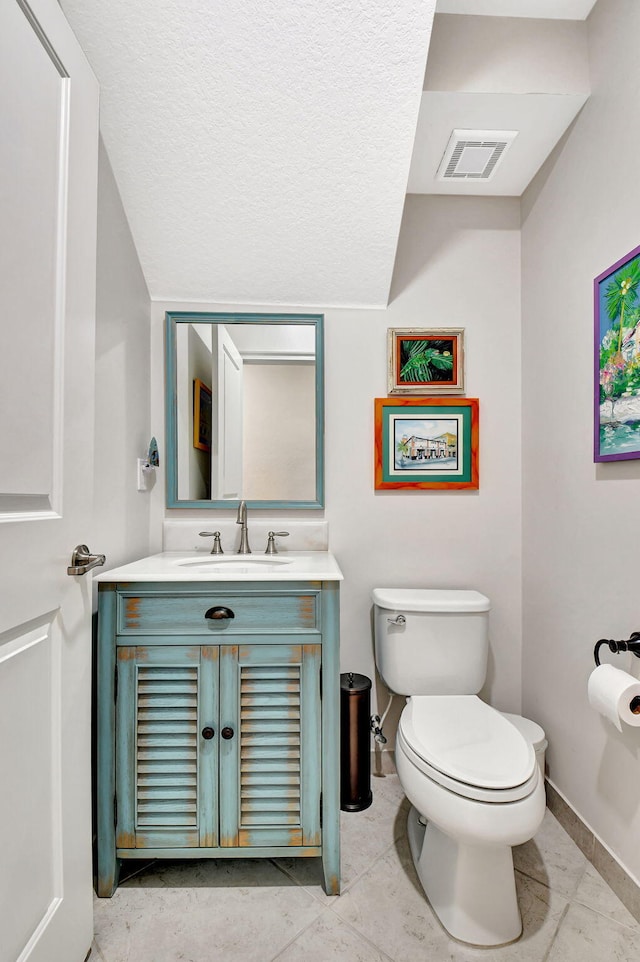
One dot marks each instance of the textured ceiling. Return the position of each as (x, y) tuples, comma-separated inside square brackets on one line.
[(536, 9), (492, 74), (262, 149)]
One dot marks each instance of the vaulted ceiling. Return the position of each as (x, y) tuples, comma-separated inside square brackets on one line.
[(262, 150)]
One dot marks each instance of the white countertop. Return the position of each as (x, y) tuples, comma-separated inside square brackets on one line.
[(202, 566)]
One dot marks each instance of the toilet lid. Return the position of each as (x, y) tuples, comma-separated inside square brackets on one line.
[(467, 740)]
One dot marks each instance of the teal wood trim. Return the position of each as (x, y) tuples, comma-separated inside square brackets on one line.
[(272, 790), (199, 588), (171, 413), (126, 748), (172, 318), (310, 744), (208, 753), (258, 793), (158, 746), (274, 851), (229, 747), (295, 611), (331, 737), (319, 412), (107, 867), (173, 640)]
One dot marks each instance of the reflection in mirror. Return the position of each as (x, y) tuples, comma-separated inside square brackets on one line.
[(245, 405)]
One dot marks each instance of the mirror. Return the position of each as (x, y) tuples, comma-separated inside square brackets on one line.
[(245, 410)]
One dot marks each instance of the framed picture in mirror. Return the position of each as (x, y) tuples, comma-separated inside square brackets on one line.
[(202, 408)]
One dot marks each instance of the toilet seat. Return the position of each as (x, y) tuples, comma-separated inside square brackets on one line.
[(468, 747)]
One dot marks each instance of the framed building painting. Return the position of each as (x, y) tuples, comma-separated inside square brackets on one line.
[(617, 360), (426, 360), (426, 443)]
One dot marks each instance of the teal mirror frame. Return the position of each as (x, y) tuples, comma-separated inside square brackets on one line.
[(173, 318)]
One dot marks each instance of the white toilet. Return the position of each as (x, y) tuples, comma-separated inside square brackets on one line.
[(467, 770)]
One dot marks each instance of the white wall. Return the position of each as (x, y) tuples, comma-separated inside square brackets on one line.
[(581, 521), (122, 424), (458, 264), (278, 440)]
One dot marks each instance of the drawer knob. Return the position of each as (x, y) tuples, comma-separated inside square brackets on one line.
[(227, 732), (219, 613), (208, 733)]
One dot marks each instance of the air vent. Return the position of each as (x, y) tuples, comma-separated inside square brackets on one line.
[(474, 154)]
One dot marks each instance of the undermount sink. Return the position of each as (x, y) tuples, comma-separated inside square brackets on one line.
[(199, 566), (238, 563)]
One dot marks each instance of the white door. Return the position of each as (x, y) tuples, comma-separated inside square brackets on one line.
[(226, 454), (48, 175)]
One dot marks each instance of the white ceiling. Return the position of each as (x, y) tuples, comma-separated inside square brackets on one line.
[(539, 119), (493, 74), (536, 9), (262, 150)]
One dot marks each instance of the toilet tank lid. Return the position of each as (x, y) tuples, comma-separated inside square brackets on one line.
[(430, 599)]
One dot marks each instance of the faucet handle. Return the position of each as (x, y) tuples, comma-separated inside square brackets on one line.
[(271, 544), (217, 546)]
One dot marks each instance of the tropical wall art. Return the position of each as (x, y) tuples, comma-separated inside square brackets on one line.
[(426, 360), (617, 360), (426, 443)]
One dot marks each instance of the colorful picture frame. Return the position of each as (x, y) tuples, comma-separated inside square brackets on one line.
[(427, 443), (426, 360), (202, 410), (616, 297)]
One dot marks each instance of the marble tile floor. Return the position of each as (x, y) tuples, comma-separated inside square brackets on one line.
[(249, 910)]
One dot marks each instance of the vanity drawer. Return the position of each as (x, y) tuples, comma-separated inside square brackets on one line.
[(157, 614)]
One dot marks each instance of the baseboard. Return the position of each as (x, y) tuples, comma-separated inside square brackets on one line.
[(616, 877)]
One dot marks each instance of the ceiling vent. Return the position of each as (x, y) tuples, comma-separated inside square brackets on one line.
[(474, 154)]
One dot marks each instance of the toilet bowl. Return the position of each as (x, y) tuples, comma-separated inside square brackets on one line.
[(472, 777), (463, 856)]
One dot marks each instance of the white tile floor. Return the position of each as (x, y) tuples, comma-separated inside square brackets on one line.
[(263, 910)]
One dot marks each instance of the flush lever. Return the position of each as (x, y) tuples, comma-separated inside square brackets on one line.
[(82, 560), (398, 620)]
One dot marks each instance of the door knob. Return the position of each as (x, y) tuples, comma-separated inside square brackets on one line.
[(208, 733), (82, 560), (227, 732)]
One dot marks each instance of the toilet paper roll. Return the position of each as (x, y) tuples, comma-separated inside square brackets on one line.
[(611, 692)]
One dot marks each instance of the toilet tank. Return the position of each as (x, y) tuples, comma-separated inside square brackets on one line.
[(431, 641)]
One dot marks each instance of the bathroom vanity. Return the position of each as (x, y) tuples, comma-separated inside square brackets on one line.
[(218, 710)]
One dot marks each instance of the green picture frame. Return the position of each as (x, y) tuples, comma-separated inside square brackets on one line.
[(423, 443)]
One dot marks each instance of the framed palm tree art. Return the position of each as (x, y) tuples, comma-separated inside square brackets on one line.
[(426, 360), (616, 295)]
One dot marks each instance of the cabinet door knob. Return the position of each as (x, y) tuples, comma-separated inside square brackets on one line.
[(208, 733), (219, 613), (227, 732)]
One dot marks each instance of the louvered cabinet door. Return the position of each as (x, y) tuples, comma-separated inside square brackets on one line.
[(270, 765), (166, 766)]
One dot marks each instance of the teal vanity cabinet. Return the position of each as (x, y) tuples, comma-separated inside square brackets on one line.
[(217, 723)]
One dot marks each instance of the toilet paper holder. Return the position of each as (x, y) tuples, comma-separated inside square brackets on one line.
[(632, 644)]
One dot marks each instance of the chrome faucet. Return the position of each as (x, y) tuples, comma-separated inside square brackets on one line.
[(244, 535)]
